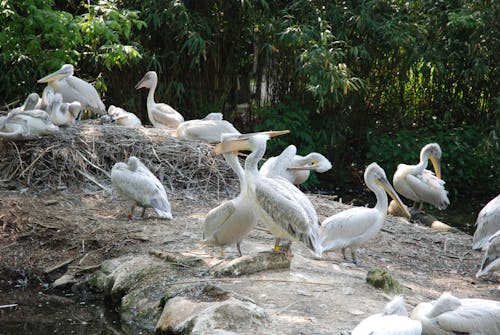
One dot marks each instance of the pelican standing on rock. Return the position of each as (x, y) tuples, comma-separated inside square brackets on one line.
[(230, 222), (272, 199), (449, 315), (487, 223), (420, 185), (295, 168), (208, 129), (160, 115), (355, 226), (393, 321), (74, 89), (491, 259), (135, 182)]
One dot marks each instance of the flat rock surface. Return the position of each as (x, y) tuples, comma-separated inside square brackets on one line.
[(73, 233)]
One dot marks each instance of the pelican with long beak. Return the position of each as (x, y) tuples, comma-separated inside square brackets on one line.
[(272, 199), (449, 315), (491, 259), (74, 89), (160, 115), (420, 185), (393, 321), (355, 226), (487, 223), (135, 182)]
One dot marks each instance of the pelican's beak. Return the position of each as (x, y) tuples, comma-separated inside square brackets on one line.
[(241, 142), (53, 76), (392, 193), (436, 163), (301, 168), (140, 84)]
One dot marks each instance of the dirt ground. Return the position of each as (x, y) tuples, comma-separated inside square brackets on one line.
[(45, 235)]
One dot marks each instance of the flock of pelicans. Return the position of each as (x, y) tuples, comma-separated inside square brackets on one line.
[(270, 195)]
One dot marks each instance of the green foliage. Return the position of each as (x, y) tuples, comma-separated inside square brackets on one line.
[(470, 157)]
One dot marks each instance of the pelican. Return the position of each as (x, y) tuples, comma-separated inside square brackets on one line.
[(272, 199), (29, 104), (420, 185), (393, 321), (207, 130), (491, 259), (295, 168), (62, 114), (160, 115), (355, 226), (230, 222), (213, 116), (449, 315), (487, 223), (135, 182), (74, 89), (27, 123), (123, 118)]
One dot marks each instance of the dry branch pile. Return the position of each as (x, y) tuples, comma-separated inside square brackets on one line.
[(87, 152)]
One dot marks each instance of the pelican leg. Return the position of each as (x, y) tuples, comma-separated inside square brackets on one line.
[(343, 254), (130, 216), (143, 212), (277, 245), (353, 255), (239, 249), (221, 251)]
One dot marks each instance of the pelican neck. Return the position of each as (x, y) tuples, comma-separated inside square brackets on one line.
[(151, 93), (251, 163), (382, 202), (234, 163)]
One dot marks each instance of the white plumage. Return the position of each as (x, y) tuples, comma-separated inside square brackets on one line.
[(420, 185), (208, 129), (487, 223), (491, 259), (61, 114), (137, 184), (449, 315), (355, 226), (123, 118), (160, 115), (230, 222), (274, 200), (74, 89), (393, 321), (18, 125)]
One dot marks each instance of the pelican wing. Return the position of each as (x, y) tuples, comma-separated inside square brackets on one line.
[(165, 115), (487, 223), (491, 259), (474, 316), (216, 218), (205, 130), (379, 324), (348, 227), (79, 90), (429, 189), (277, 166), (300, 198)]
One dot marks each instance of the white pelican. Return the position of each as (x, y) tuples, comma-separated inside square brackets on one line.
[(29, 104), (74, 89), (491, 259), (123, 118), (449, 315), (27, 123), (355, 226), (230, 222), (62, 114), (420, 185), (393, 321), (295, 168), (160, 115), (487, 223), (272, 199), (136, 183), (208, 129)]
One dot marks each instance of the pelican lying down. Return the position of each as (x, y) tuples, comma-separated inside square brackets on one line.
[(25, 124), (208, 129)]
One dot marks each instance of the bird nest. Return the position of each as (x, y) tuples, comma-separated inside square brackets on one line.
[(86, 153)]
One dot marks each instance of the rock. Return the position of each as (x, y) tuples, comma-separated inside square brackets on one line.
[(383, 280), (249, 264)]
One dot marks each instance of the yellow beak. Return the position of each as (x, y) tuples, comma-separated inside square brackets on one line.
[(241, 142), (52, 77), (436, 163), (392, 193)]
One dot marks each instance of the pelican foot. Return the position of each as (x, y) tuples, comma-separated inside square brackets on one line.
[(416, 211)]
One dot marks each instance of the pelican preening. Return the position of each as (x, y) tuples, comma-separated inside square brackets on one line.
[(353, 227), (491, 259), (393, 321), (62, 114), (272, 199), (136, 183), (74, 89), (207, 130), (487, 223), (123, 118), (449, 315), (230, 222), (420, 185), (295, 168), (160, 115)]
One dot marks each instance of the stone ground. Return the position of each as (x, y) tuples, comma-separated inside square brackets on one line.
[(46, 235)]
